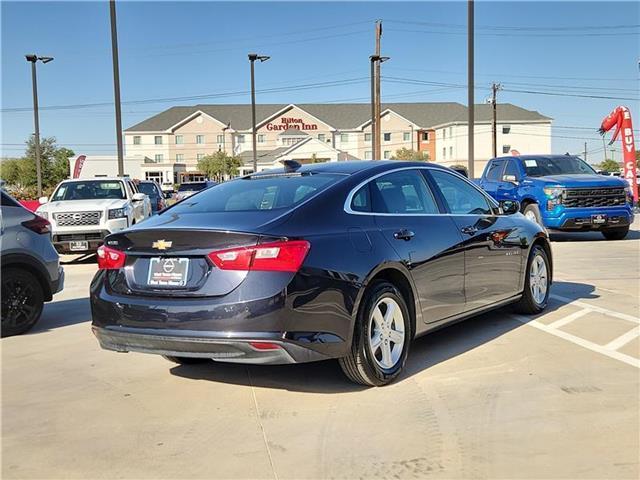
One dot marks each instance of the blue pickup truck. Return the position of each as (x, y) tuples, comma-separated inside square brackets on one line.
[(562, 192)]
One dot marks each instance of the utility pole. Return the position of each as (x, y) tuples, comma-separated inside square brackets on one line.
[(494, 121), (377, 75), (372, 60), (470, 86), (116, 86), (252, 58), (585, 151)]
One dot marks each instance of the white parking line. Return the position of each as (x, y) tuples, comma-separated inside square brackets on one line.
[(594, 347), (570, 318), (606, 311), (622, 340)]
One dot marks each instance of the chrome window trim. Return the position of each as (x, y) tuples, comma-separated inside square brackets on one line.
[(347, 204)]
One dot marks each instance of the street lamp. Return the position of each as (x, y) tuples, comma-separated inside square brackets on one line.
[(252, 58), (375, 106), (34, 59)]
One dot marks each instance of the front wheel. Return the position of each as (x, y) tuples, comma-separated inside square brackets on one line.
[(615, 233), (22, 301), (537, 283), (381, 337)]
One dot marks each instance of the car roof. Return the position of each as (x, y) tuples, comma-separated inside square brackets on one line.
[(533, 157), (352, 166), (98, 179)]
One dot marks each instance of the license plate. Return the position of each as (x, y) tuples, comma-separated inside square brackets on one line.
[(79, 245), (598, 219), (168, 272)]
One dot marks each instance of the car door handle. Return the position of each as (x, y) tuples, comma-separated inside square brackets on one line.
[(470, 230), (404, 234)]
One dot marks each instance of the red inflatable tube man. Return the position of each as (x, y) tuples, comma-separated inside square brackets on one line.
[(621, 118)]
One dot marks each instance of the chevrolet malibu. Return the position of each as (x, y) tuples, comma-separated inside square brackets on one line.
[(346, 260)]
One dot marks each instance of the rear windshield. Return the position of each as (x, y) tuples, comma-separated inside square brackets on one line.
[(566, 165), (90, 190), (192, 187), (148, 188), (254, 194)]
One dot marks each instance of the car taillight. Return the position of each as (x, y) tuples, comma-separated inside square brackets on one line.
[(273, 257), (110, 258), (38, 225)]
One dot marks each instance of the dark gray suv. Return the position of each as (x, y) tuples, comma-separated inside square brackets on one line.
[(31, 271)]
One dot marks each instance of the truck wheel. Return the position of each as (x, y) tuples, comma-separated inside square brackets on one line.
[(22, 301), (532, 212), (615, 233)]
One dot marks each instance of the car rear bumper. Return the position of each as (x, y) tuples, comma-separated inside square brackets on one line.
[(267, 348), (581, 219)]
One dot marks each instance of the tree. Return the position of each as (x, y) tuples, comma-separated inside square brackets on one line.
[(609, 166), (410, 155), (219, 165)]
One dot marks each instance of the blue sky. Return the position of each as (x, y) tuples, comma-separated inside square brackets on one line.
[(171, 49)]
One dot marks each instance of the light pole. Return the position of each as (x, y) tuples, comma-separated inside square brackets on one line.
[(33, 58), (252, 58), (116, 86), (376, 60)]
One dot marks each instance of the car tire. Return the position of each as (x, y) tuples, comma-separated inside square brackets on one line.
[(22, 301), (186, 360), (615, 233), (534, 300), (374, 358), (532, 212)]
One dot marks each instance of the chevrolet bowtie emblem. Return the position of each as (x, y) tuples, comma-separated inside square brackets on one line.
[(161, 244)]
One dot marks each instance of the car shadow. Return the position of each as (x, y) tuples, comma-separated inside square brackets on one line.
[(589, 236), (62, 314), (427, 351), (85, 259)]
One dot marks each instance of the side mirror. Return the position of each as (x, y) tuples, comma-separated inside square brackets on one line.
[(138, 197), (510, 179), (43, 200), (509, 207)]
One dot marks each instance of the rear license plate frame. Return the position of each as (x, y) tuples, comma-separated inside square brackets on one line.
[(168, 272)]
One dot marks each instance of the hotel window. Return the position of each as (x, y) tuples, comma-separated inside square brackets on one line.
[(261, 138), (450, 152), (444, 133), (159, 157), (367, 155), (387, 137), (136, 140), (387, 154), (179, 139), (406, 136), (506, 129), (444, 152), (367, 137), (220, 139), (179, 157), (199, 139), (157, 140), (322, 137), (240, 138), (425, 136), (450, 132), (199, 156), (506, 148), (344, 137)]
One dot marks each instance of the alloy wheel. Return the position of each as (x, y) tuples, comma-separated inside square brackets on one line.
[(386, 333), (17, 303), (538, 279)]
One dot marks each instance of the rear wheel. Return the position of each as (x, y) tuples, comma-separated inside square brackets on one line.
[(186, 360), (536, 284), (381, 337), (532, 212), (615, 233), (22, 301)]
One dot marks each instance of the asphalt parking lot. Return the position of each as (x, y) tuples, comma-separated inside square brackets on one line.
[(499, 396)]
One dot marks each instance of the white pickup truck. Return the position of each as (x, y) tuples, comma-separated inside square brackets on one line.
[(83, 212)]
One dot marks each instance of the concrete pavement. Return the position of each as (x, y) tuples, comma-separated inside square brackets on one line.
[(488, 398)]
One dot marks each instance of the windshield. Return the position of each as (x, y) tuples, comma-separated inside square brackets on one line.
[(254, 194), (543, 166), (148, 189), (192, 187), (89, 190)]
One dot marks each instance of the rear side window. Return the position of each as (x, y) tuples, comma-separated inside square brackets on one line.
[(494, 171), (461, 197), (361, 201), (148, 189), (254, 194), (402, 192), (511, 169)]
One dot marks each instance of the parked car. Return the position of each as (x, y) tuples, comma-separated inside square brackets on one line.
[(187, 189), (347, 260), (152, 190), (31, 271), (562, 192), (83, 212)]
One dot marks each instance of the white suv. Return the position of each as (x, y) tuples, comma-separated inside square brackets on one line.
[(83, 212)]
